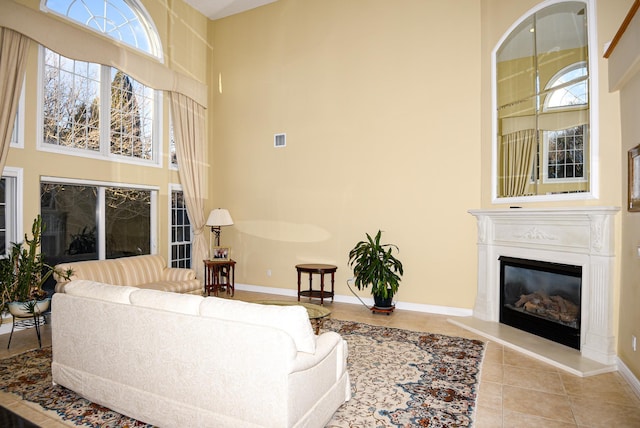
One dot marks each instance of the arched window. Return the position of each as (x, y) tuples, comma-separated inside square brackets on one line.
[(542, 69), (568, 88), (124, 20)]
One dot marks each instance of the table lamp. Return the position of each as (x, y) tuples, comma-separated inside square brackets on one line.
[(217, 218)]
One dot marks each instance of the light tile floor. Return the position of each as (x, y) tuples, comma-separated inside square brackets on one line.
[(515, 390)]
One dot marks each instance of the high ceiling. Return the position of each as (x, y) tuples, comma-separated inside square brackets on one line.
[(216, 9)]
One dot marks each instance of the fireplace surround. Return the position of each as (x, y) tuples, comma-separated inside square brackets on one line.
[(582, 237)]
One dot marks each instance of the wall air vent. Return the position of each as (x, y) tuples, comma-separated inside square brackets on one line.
[(279, 140)]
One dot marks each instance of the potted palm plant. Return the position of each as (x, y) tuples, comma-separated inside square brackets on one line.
[(374, 264), (22, 274)]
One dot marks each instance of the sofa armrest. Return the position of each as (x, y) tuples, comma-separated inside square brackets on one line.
[(178, 274), (325, 344)]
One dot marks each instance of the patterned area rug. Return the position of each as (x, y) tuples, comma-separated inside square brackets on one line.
[(402, 378), (399, 378)]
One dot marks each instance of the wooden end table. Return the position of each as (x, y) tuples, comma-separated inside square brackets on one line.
[(218, 274), (319, 269)]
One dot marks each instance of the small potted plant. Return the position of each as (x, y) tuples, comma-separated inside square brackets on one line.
[(22, 274), (374, 264)]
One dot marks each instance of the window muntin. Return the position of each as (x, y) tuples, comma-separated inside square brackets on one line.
[(542, 87), (95, 221), (74, 95), (124, 20), (181, 233)]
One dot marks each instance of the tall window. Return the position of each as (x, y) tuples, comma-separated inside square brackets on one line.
[(17, 135), (173, 161), (542, 86), (9, 191), (74, 97), (90, 221), (181, 236), (124, 20)]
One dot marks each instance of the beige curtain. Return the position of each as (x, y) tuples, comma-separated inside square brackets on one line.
[(518, 150), (13, 59), (190, 134)]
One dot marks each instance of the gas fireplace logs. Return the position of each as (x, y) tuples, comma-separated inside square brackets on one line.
[(555, 308)]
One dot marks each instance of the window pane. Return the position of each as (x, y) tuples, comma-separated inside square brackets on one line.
[(131, 117), (122, 20), (69, 217), (71, 102), (128, 222), (172, 143)]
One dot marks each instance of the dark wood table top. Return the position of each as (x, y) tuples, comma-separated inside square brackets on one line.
[(316, 268)]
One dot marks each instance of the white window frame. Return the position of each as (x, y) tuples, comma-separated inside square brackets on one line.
[(105, 106), (100, 230), (15, 203)]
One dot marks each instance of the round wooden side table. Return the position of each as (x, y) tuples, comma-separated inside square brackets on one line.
[(319, 269)]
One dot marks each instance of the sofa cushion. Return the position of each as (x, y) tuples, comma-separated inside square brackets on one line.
[(105, 271), (100, 291), (294, 320), (141, 269), (192, 286), (182, 303)]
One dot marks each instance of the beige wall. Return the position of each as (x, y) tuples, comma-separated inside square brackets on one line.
[(621, 63), (630, 284), (379, 101)]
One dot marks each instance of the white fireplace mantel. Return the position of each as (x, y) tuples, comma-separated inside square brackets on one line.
[(582, 236)]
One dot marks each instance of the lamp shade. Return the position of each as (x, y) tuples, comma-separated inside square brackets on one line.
[(219, 217)]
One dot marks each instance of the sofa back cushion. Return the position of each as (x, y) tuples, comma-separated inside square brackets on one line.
[(100, 291), (175, 302), (105, 271), (141, 269), (294, 320)]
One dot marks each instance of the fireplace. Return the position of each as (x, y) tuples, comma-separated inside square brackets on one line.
[(541, 298), (560, 237)]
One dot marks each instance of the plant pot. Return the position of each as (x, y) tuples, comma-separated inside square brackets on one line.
[(18, 309), (382, 303)]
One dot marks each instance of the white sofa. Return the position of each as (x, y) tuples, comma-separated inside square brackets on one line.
[(180, 360), (146, 271)]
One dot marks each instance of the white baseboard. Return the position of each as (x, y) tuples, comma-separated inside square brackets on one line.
[(367, 301), (633, 381)]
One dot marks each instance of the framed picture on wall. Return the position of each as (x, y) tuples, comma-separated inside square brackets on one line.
[(220, 253), (634, 179)]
